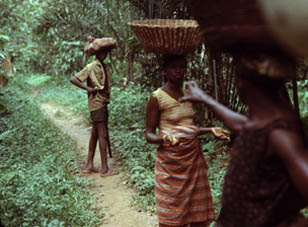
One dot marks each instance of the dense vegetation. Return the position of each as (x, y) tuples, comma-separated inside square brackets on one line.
[(38, 186), (46, 38)]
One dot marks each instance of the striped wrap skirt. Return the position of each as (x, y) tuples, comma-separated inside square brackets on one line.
[(182, 188)]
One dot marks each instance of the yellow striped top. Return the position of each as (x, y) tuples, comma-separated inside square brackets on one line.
[(172, 112)]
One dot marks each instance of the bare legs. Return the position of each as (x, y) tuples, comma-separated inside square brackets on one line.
[(103, 144), (92, 147), (99, 133)]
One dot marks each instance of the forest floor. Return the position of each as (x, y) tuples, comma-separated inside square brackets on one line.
[(111, 194)]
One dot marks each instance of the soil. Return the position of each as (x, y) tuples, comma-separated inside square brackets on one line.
[(111, 193)]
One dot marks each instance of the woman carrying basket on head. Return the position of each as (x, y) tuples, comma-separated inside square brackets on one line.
[(183, 196)]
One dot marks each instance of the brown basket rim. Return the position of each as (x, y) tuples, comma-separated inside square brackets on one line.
[(163, 23)]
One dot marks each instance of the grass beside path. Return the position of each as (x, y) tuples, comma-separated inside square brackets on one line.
[(38, 186)]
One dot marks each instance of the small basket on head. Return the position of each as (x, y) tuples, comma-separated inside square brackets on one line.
[(98, 44), (167, 36)]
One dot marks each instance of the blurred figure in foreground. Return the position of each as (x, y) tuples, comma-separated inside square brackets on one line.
[(266, 184)]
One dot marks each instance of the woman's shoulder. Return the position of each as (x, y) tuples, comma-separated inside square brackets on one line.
[(158, 90), (157, 96), (156, 93)]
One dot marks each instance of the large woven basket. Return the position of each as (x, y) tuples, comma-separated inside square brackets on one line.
[(167, 36), (232, 24)]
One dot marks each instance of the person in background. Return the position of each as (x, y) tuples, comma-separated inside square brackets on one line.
[(266, 183), (98, 86), (183, 196)]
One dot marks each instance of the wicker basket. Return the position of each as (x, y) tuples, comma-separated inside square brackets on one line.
[(167, 36), (232, 24)]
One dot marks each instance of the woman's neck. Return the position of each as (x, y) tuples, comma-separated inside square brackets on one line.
[(262, 107), (173, 90), (174, 87)]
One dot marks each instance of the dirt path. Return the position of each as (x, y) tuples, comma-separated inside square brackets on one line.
[(110, 193)]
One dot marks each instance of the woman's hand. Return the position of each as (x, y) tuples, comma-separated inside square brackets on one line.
[(170, 139), (220, 133), (231, 119), (193, 93)]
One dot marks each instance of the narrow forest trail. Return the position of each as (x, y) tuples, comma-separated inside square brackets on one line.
[(110, 193)]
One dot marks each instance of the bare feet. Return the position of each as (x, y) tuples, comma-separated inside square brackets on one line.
[(109, 173), (90, 170)]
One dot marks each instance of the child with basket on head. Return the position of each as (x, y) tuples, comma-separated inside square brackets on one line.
[(98, 86)]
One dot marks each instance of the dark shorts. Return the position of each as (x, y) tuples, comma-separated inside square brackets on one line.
[(100, 115)]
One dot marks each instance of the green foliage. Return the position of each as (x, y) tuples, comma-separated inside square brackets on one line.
[(37, 184), (16, 19), (127, 127), (216, 152), (3, 40), (132, 100), (37, 80), (60, 91), (161, 9), (62, 31), (303, 97)]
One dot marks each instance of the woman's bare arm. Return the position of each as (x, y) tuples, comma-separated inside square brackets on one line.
[(232, 120), (289, 147), (216, 131), (152, 121)]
